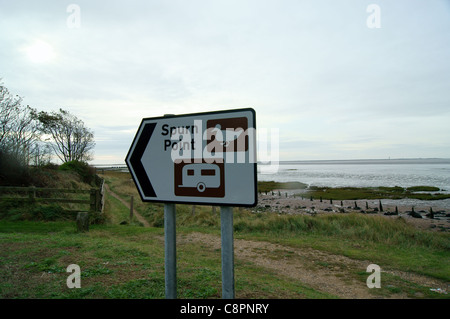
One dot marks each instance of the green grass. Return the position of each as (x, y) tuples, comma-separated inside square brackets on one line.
[(117, 212), (267, 186), (120, 262), (423, 189), (127, 261), (387, 241), (391, 242), (15, 211)]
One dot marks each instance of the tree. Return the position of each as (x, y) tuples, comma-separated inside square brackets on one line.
[(20, 139), (9, 110), (19, 131), (72, 140)]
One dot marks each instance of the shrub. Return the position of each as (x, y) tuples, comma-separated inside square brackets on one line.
[(86, 172), (50, 166), (15, 211), (49, 213), (12, 171)]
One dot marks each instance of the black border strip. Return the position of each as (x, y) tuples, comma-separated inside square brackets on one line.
[(277, 308), (135, 160)]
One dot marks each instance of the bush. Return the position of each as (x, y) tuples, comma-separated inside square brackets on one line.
[(86, 172), (97, 218), (50, 166), (49, 213), (19, 211), (12, 171)]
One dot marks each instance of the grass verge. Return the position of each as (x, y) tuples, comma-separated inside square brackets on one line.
[(127, 261)]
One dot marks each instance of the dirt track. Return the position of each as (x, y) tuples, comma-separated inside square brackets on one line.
[(135, 213), (325, 272)]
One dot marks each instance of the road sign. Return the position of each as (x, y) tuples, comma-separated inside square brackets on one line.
[(203, 158)]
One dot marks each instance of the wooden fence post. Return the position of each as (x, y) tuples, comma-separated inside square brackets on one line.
[(32, 193), (83, 222), (98, 200), (93, 200)]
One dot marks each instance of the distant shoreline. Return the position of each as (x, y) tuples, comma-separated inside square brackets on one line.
[(370, 161), (349, 161)]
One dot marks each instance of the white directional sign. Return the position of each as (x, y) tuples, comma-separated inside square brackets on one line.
[(203, 158)]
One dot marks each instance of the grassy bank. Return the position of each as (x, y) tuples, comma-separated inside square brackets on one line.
[(127, 261)]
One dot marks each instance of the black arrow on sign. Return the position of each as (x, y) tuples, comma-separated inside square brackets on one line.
[(135, 160)]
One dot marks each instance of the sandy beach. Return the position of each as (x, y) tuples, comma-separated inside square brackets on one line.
[(287, 203)]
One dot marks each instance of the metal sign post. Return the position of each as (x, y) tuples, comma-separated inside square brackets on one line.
[(226, 225), (170, 248)]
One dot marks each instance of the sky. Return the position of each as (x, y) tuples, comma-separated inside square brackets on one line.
[(336, 79)]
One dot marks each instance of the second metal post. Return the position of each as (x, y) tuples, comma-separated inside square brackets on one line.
[(226, 224), (170, 251)]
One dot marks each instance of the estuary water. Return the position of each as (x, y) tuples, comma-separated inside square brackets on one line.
[(362, 173), (367, 173)]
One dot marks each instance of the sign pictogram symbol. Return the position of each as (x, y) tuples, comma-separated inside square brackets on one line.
[(200, 179)]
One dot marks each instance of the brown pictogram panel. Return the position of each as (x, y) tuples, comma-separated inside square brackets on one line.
[(227, 135), (199, 178)]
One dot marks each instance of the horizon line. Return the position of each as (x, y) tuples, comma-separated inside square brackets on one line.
[(327, 160)]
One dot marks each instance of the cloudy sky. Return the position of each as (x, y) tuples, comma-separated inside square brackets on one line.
[(339, 79)]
